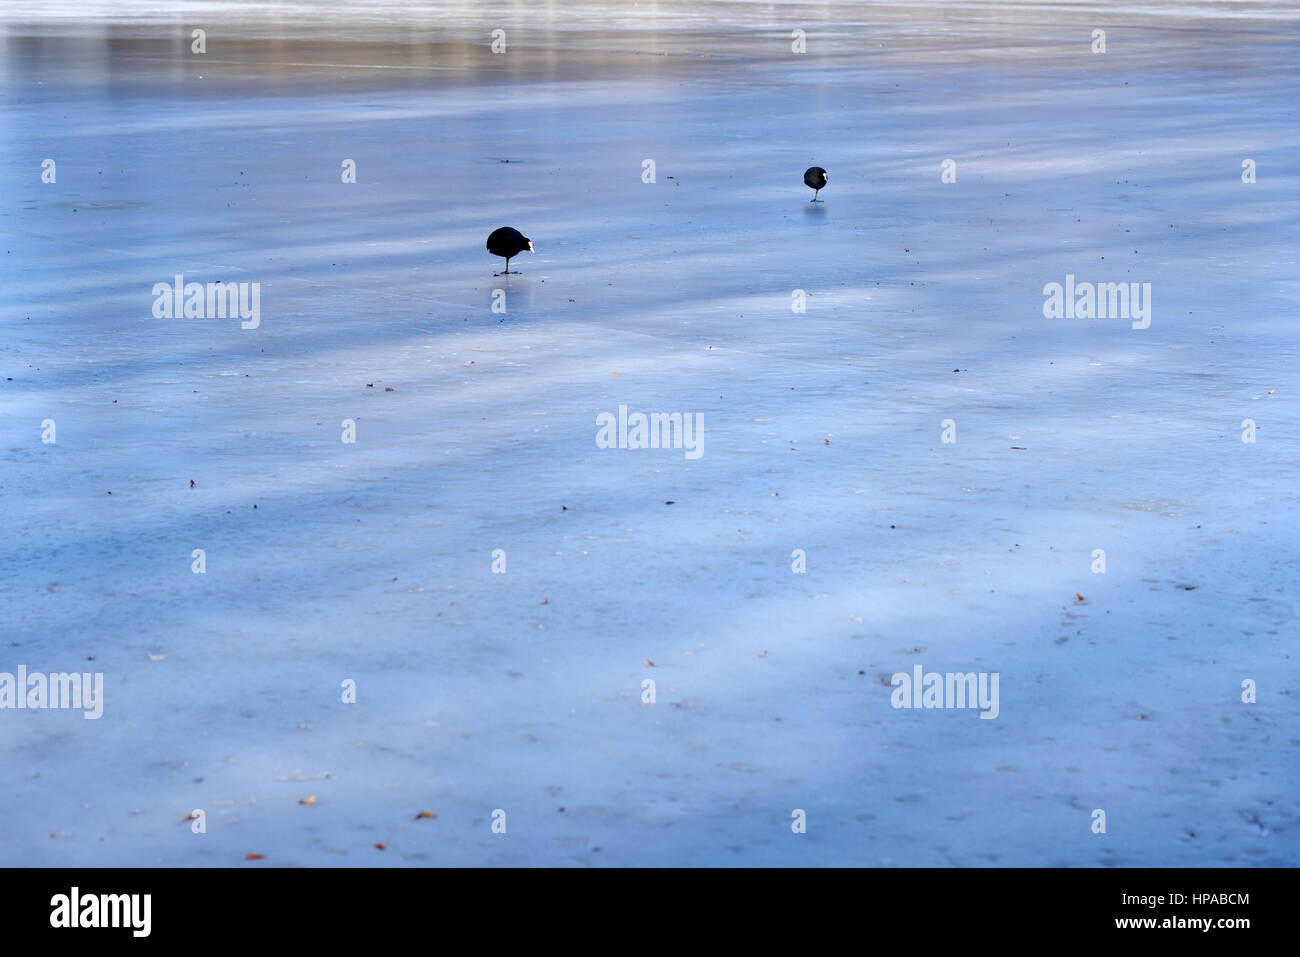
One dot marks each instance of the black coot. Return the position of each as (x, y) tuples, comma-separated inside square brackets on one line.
[(508, 241), (814, 177)]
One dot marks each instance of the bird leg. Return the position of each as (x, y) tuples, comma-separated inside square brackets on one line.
[(815, 192)]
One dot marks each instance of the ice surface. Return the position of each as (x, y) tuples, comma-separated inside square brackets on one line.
[(522, 691)]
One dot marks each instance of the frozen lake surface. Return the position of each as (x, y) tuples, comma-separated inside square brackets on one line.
[(475, 430)]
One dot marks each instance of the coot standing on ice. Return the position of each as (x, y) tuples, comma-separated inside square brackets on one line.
[(814, 177), (508, 241)]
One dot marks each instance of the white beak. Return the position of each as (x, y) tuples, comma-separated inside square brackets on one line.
[(531, 249)]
